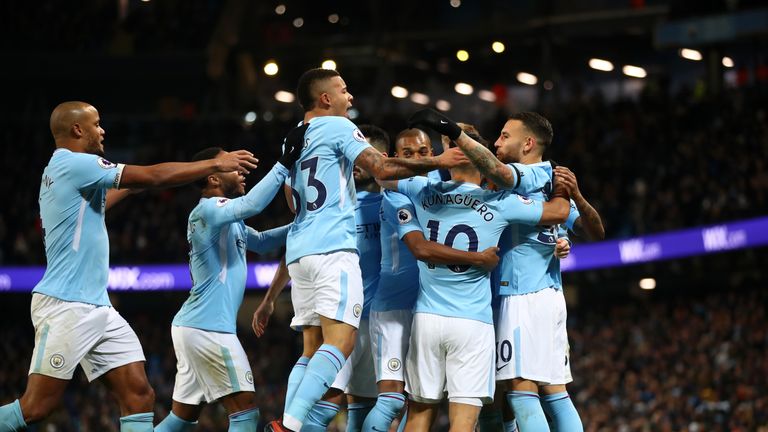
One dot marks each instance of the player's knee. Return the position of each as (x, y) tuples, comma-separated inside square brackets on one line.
[(139, 398)]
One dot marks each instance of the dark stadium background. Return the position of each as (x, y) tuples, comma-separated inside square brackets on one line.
[(685, 146)]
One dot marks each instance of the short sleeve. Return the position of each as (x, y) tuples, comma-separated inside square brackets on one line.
[(529, 178), (412, 186), (89, 171), (352, 141), (400, 210), (573, 214), (519, 209)]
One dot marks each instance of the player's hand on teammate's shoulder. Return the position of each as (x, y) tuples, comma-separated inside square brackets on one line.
[(562, 248), (567, 178), (294, 143), (238, 160), (489, 258), (451, 158)]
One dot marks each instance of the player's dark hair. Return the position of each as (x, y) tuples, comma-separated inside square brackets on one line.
[(205, 154), (407, 133), (538, 125), (378, 138), (307, 84)]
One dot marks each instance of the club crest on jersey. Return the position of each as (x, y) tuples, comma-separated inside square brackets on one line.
[(394, 364), (249, 377), (404, 216), (221, 202), (358, 135), (105, 163), (524, 199), (357, 310), (57, 361)]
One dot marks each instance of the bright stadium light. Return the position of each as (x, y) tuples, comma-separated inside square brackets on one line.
[(419, 98), (271, 68), (399, 92), (333, 18), (329, 64), (690, 54), (647, 283), (284, 96), (250, 117), (462, 55), (353, 113), (487, 95), (443, 105), (498, 47), (634, 71), (463, 88), (728, 62), (455, 3), (280, 9), (526, 78), (600, 64), (298, 22)]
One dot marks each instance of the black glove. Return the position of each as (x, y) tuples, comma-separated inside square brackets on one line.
[(435, 121), (294, 143)]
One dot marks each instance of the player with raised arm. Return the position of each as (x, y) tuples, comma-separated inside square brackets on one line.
[(73, 318), (452, 339), (321, 251), (532, 341), (211, 363)]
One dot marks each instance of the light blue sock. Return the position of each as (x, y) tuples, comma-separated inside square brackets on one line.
[(11, 417), (321, 372), (559, 407), (388, 406), (174, 423), (490, 420), (141, 422), (356, 414), (320, 416), (528, 412), (294, 379), (401, 426), (244, 421), (510, 426)]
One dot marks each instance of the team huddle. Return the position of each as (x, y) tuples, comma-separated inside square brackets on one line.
[(414, 277)]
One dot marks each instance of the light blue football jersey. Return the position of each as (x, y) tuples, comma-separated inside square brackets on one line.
[(323, 189), (399, 278), (368, 244), (73, 194), (463, 216), (218, 239), (528, 263)]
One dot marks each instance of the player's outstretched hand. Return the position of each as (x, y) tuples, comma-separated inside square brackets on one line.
[(238, 160), (567, 178), (294, 142), (562, 248), (261, 317), (451, 158), (490, 258), (435, 121)]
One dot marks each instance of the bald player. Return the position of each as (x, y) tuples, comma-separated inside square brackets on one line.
[(71, 312)]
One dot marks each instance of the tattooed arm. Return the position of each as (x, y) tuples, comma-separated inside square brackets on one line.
[(487, 163), (385, 168)]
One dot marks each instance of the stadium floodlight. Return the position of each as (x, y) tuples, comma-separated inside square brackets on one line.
[(333, 18), (419, 98), (728, 62), (280, 9), (353, 113), (462, 55), (526, 78), (647, 283), (498, 47), (600, 64), (455, 3), (443, 105), (284, 96), (250, 117), (463, 88), (271, 68), (690, 54), (329, 64), (298, 22), (487, 95), (634, 71), (399, 92)]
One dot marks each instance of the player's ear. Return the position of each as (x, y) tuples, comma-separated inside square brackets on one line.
[(530, 143), (77, 130), (324, 99)]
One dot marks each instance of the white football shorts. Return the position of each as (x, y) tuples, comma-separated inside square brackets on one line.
[(390, 332)]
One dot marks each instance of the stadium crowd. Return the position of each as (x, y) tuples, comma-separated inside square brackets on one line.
[(688, 363)]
